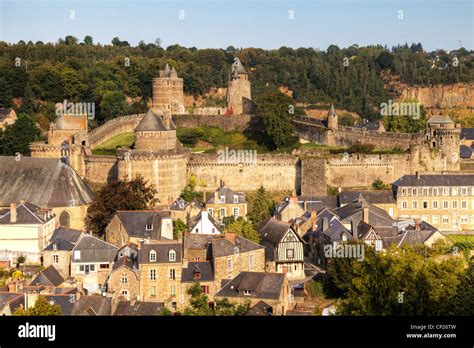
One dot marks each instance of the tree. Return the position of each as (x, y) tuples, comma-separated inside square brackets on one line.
[(199, 302), (113, 104), (18, 136), (189, 192), (70, 40), (119, 195), (380, 185), (178, 228), (260, 206), (88, 40), (41, 308), (244, 229)]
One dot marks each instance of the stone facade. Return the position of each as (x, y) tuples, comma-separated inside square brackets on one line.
[(238, 89), (251, 261), (168, 91), (59, 259), (124, 284)]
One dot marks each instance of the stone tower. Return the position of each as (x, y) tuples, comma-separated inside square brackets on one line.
[(332, 118), (168, 91), (444, 136), (157, 156), (238, 90)]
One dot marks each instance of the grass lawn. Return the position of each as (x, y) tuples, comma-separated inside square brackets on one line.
[(467, 240), (119, 140)]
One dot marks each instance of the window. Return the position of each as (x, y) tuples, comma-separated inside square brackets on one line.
[(124, 278), (124, 293), (229, 264), (425, 192), (213, 230), (463, 191), (290, 253), (92, 268), (251, 261), (455, 204), (148, 227), (55, 258), (445, 204), (210, 211), (222, 199), (236, 212), (464, 219), (463, 204), (81, 268), (152, 256), (205, 288), (435, 204), (173, 290), (153, 291), (454, 191), (445, 219), (77, 254), (235, 199), (435, 219), (152, 274), (445, 191), (404, 192), (247, 292), (222, 213), (404, 205), (55, 246), (425, 205), (414, 204), (435, 191), (172, 256), (172, 274)]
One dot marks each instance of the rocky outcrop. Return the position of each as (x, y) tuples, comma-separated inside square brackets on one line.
[(458, 96)]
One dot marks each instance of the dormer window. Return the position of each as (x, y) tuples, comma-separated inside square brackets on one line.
[(235, 199), (172, 256), (55, 246), (222, 199), (344, 237), (247, 292), (77, 254), (152, 256), (148, 227), (197, 273)]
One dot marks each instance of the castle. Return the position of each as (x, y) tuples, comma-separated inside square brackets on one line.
[(161, 159)]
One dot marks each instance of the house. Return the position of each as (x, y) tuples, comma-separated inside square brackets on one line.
[(133, 226), (415, 231), (261, 309), (376, 126), (295, 206), (445, 201), (7, 117), (49, 277), (93, 305), (10, 302), (62, 189), (467, 137), (253, 287), (233, 254), (59, 251), (124, 280), (25, 230), (160, 272), (284, 248), (226, 202), (196, 247), (192, 272), (184, 211), (380, 198), (137, 308), (204, 223), (92, 261)]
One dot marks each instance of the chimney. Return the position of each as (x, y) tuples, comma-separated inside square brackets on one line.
[(230, 237), (417, 224), (185, 263), (12, 213), (355, 230), (12, 287), (365, 214), (417, 174), (325, 223), (139, 245)]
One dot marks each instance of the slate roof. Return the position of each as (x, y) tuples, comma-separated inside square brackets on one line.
[(195, 220), (467, 133), (135, 223), (372, 196), (162, 250), (138, 308), (228, 193), (353, 211), (26, 213), (237, 67), (67, 234), (153, 121), (12, 300), (440, 119), (435, 180), (260, 284), (369, 125), (196, 241), (126, 262), (66, 302), (94, 250), (60, 244), (311, 203), (273, 230), (223, 247), (335, 230), (204, 267), (261, 308), (466, 152), (181, 204), (93, 305), (48, 277), (45, 182)]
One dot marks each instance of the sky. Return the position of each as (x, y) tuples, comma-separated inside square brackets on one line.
[(268, 24)]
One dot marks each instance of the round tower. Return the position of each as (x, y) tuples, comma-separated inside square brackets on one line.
[(238, 88), (444, 134), (332, 118)]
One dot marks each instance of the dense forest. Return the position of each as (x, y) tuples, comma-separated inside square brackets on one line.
[(117, 77)]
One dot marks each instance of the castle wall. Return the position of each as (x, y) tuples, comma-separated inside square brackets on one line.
[(101, 169), (274, 172), (225, 122), (313, 176), (119, 125)]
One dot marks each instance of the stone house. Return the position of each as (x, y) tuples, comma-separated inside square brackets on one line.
[(232, 254), (184, 211), (192, 272), (25, 230), (196, 247), (284, 248), (124, 280), (59, 251), (204, 223), (134, 226), (253, 287), (160, 272), (7, 117), (92, 261), (48, 278), (380, 198), (226, 202)]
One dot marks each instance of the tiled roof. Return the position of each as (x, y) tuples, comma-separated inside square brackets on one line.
[(12, 300), (261, 308), (465, 152), (60, 244), (93, 305), (273, 230), (435, 180), (60, 185)]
